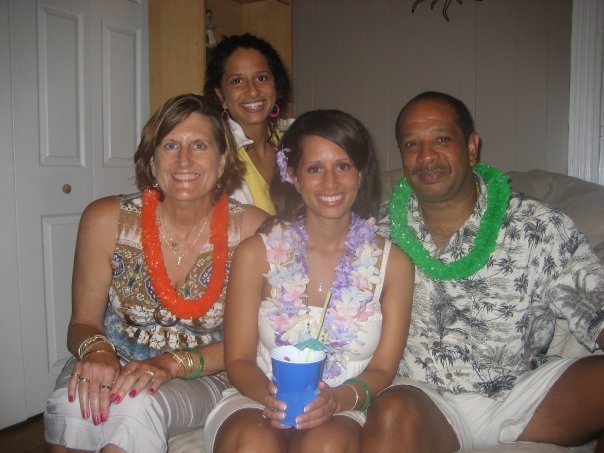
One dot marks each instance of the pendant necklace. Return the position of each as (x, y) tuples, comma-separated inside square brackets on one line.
[(173, 245)]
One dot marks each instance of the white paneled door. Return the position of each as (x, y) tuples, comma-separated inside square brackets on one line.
[(79, 84)]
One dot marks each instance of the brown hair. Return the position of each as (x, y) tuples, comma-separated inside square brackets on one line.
[(349, 134), (174, 111)]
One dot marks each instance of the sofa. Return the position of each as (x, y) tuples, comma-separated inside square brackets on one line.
[(584, 202)]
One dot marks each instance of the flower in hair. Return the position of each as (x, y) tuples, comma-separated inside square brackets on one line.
[(282, 165)]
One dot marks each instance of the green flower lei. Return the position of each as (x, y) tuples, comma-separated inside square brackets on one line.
[(498, 194)]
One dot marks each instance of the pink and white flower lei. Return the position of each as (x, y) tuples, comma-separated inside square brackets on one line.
[(352, 290)]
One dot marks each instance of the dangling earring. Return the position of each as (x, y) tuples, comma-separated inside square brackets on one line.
[(226, 116), (219, 184), (275, 112), (155, 184)]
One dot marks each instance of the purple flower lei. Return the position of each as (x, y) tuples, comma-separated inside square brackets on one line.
[(282, 165), (352, 288)]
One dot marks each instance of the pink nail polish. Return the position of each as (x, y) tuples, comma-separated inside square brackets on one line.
[(85, 415), (151, 390), (71, 398), (112, 397), (103, 418), (132, 393), (95, 420)]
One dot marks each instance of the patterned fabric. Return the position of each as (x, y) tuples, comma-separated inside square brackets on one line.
[(289, 323), (481, 333), (134, 320)]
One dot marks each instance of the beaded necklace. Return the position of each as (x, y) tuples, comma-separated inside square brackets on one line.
[(498, 194), (160, 282)]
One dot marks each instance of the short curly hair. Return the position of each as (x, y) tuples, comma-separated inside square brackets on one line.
[(221, 53), (174, 111)]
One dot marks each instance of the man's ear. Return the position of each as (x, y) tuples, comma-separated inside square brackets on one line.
[(473, 146)]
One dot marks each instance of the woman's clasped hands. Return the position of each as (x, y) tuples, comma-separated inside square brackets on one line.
[(317, 412), (99, 381)]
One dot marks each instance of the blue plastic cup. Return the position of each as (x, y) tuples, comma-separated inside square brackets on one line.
[(297, 375)]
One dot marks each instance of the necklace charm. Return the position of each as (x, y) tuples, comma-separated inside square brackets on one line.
[(173, 245)]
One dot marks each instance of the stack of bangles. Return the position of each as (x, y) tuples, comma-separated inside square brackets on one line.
[(350, 383), (186, 361), (95, 343)]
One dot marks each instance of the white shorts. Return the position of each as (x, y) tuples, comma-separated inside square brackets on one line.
[(137, 425), (233, 401), (481, 422)]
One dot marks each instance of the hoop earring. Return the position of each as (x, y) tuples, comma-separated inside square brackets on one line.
[(275, 111), (226, 116)]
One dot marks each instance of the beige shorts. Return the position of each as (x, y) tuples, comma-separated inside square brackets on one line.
[(481, 422), (233, 401)]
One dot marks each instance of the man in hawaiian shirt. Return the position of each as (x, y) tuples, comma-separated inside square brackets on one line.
[(494, 270)]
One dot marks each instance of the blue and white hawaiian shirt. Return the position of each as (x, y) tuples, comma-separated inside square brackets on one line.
[(479, 334)]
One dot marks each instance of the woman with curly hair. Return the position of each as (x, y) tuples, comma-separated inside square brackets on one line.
[(247, 79)]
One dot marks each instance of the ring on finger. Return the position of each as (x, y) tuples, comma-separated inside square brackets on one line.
[(82, 379), (105, 387), (75, 375), (150, 373)]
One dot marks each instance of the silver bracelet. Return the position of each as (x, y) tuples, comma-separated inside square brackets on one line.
[(356, 396)]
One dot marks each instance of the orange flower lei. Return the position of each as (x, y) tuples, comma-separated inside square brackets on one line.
[(160, 282)]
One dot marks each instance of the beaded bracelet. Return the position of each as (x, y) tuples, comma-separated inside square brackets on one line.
[(356, 395), (363, 384), (199, 369)]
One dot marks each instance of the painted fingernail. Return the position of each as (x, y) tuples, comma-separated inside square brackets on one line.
[(85, 414), (151, 390), (112, 397), (71, 398), (95, 420), (103, 418), (132, 393)]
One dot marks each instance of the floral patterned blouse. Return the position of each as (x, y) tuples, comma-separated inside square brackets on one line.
[(352, 327), (481, 333), (135, 322)]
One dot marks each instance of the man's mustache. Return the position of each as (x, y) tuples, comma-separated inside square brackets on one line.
[(433, 169)]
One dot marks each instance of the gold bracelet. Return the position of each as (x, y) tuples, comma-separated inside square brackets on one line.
[(90, 342), (184, 360), (179, 360), (96, 350)]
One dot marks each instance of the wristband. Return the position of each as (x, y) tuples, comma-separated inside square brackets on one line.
[(199, 369), (363, 384), (356, 396)]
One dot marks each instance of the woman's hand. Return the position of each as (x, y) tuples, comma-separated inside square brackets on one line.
[(320, 410), (274, 410), (92, 378), (148, 374), (317, 412)]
